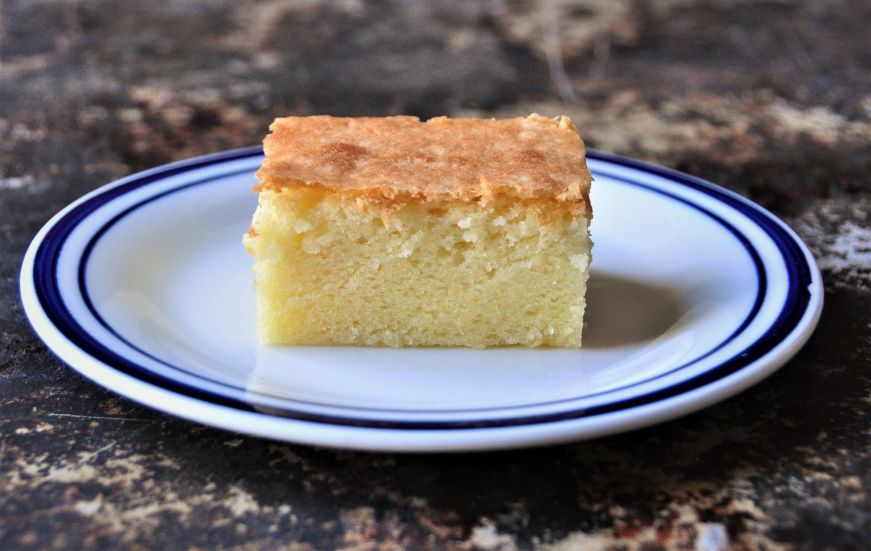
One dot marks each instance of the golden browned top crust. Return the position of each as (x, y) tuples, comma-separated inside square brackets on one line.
[(397, 159)]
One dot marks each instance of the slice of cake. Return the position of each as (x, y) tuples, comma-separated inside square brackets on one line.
[(396, 232)]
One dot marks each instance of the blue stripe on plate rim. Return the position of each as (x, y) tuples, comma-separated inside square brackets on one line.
[(798, 298)]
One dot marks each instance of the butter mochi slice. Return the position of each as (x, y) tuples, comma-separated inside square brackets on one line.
[(397, 232)]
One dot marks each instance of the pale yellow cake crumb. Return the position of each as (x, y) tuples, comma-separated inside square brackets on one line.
[(396, 232)]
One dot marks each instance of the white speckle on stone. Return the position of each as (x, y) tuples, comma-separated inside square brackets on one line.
[(712, 537), (89, 508), (849, 251), (487, 536), (16, 182), (240, 502), (597, 541), (465, 223), (820, 122)]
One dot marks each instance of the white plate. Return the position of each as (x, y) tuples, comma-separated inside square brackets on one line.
[(695, 294)]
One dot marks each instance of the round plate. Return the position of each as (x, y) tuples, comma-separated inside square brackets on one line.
[(695, 294)]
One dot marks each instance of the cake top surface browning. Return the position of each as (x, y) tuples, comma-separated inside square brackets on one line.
[(402, 158)]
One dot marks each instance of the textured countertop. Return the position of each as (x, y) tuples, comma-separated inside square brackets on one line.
[(768, 98)]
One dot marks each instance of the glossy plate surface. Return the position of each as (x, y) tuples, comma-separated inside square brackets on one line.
[(695, 294)]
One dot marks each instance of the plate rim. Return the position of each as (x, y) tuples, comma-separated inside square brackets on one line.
[(430, 437), (502, 417)]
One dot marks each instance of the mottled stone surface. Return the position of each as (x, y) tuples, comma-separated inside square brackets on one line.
[(769, 98)]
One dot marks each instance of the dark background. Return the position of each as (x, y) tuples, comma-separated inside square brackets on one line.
[(769, 98)]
